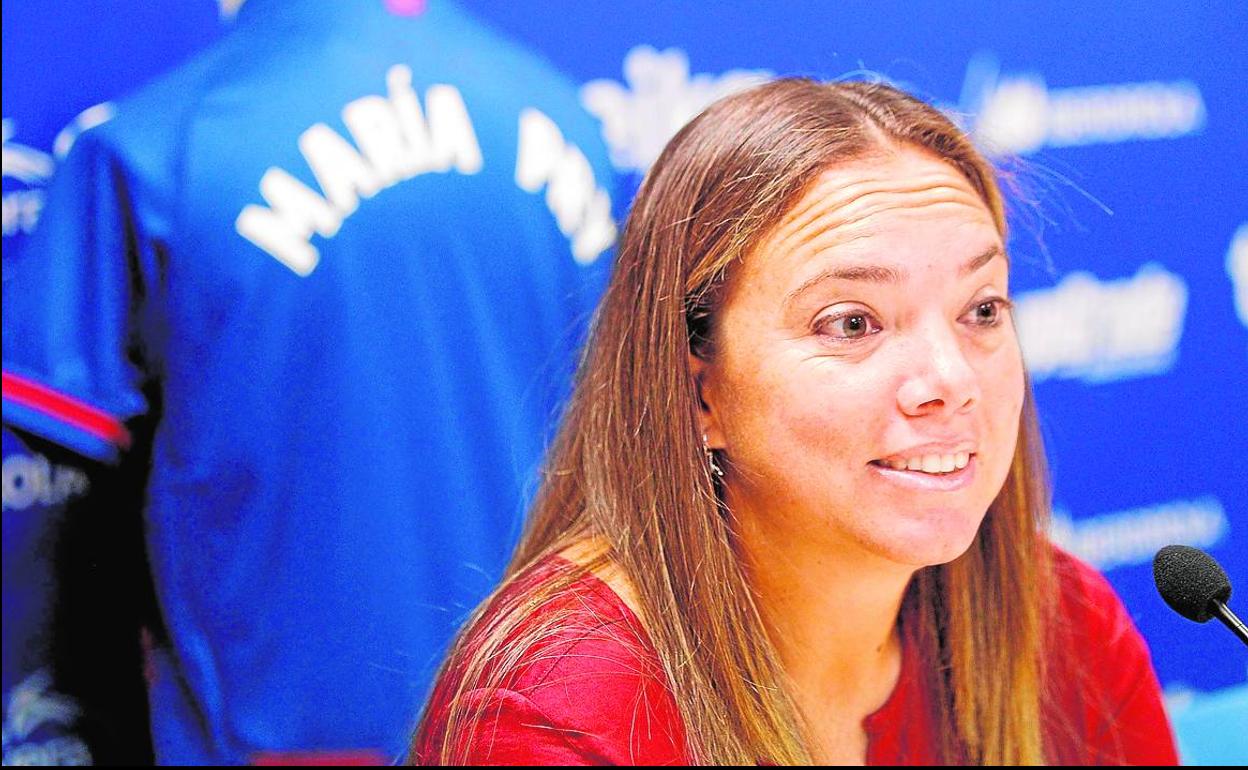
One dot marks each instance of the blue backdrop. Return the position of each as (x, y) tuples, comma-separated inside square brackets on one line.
[(1122, 126)]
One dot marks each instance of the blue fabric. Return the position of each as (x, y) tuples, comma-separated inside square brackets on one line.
[(340, 458)]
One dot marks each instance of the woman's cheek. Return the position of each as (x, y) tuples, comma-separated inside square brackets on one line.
[(1003, 374)]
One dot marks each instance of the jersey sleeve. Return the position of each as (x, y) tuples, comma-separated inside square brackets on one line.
[(74, 363)]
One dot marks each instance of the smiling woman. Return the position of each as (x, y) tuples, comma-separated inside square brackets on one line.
[(796, 509), (883, 395)]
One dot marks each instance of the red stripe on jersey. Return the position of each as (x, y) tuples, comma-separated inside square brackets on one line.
[(68, 410)]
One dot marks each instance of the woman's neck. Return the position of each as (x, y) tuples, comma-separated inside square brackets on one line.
[(832, 617)]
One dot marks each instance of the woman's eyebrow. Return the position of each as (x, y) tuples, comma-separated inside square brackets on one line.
[(978, 261), (868, 273), (882, 274)]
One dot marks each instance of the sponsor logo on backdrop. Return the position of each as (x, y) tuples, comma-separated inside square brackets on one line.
[(33, 167), (659, 96), (396, 140), (32, 480), (1131, 537), (25, 164), (1019, 113), (1237, 269), (1103, 331), (1011, 112), (33, 705)]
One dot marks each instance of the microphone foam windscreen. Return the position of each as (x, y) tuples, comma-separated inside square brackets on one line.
[(1188, 579)]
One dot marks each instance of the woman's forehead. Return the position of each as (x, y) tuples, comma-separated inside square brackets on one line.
[(853, 205), (855, 195)]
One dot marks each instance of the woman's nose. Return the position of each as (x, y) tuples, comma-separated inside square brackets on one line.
[(941, 378)]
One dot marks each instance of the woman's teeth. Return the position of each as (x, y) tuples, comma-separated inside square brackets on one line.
[(929, 463)]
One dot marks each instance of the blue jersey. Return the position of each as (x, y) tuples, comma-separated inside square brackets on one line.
[(330, 275), (72, 688)]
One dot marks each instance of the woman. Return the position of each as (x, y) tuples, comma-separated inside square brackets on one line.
[(795, 511)]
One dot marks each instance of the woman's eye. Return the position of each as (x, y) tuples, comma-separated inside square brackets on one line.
[(988, 312), (848, 326)]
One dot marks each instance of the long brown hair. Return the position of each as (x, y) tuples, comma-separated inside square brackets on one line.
[(627, 467)]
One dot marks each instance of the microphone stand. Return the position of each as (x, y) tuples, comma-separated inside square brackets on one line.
[(1224, 614)]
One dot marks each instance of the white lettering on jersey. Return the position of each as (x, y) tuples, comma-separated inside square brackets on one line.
[(451, 139), (30, 479), (282, 228), (582, 210), (33, 704), (343, 174), (418, 154), (395, 141)]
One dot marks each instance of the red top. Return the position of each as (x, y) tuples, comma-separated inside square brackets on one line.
[(594, 692)]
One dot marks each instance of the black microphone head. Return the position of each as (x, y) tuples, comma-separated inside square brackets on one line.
[(1189, 579)]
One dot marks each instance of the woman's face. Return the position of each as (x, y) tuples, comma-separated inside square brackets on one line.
[(867, 380)]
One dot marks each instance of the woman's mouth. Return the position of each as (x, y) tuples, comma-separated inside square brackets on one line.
[(935, 464), (931, 473)]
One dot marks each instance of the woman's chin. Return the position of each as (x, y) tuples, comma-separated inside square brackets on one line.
[(938, 539)]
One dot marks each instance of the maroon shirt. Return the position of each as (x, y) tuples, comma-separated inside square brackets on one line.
[(594, 692)]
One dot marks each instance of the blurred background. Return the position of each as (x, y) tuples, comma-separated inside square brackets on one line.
[(1121, 124)]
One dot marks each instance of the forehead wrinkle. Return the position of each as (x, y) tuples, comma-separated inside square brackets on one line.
[(818, 236), (844, 193), (851, 204)]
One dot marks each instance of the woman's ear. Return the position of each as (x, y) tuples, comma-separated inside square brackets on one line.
[(707, 401)]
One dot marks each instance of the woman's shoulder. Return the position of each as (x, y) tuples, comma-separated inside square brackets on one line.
[(1101, 673), (1088, 607), (584, 629), (575, 680), (1090, 619), (1081, 582)]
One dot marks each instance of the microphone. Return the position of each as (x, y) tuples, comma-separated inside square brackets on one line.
[(1195, 586)]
